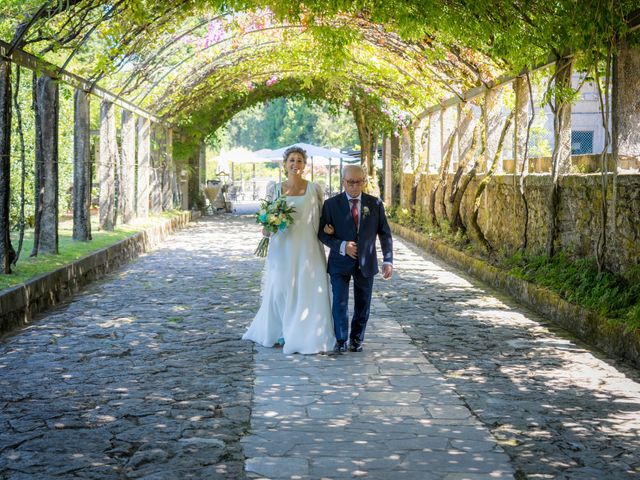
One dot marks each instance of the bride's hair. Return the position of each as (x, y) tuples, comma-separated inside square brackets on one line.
[(294, 149)]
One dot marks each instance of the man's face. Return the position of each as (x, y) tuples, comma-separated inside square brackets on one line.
[(353, 181)]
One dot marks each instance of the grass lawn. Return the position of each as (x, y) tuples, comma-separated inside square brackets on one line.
[(69, 249)]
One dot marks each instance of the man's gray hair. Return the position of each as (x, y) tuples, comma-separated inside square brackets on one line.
[(345, 168)]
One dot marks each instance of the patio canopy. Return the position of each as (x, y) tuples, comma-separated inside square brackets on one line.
[(320, 155)]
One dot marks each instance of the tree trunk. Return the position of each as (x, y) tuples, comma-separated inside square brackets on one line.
[(6, 249), (495, 162), (126, 199), (368, 147), (561, 157), (461, 180), (82, 168), (441, 184), (47, 111), (420, 138), (107, 165), (522, 128)]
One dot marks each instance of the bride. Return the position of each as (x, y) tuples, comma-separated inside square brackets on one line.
[(296, 311)]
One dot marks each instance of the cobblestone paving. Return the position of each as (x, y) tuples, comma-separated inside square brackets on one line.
[(144, 375), (559, 410)]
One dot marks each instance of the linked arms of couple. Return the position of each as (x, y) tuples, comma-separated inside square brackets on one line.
[(351, 249)]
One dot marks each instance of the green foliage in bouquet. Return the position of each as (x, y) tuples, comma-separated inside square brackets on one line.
[(274, 216)]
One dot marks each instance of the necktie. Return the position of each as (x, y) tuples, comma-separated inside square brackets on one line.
[(354, 211)]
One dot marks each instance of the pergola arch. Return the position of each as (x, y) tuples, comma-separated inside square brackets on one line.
[(386, 60)]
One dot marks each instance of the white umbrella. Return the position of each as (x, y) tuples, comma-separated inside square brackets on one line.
[(318, 155)]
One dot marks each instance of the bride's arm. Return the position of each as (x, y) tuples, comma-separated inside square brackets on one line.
[(318, 211), (271, 191)]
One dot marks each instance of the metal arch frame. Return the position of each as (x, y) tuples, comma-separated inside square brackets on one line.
[(106, 16), (263, 74), (31, 62), (195, 85), (214, 66), (278, 27), (162, 49), (183, 61), (382, 57)]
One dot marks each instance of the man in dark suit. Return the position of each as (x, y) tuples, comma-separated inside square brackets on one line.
[(355, 220)]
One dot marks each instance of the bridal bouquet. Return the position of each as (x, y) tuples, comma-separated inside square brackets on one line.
[(275, 216)]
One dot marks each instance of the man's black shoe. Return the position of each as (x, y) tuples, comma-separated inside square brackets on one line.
[(355, 347), (340, 347)]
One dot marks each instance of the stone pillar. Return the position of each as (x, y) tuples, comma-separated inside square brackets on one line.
[(449, 120), (562, 121), (419, 147), (47, 112), (127, 191), (81, 167), (626, 101), (388, 171), (467, 125), (167, 168), (175, 181), (107, 165), (202, 167), (144, 167), (493, 127), (406, 152), (194, 189), (156, 170), (396, 168), (521, 123), (435, 142), (6, 250), (183, 184)]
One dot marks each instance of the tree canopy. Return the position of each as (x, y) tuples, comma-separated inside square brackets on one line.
[(197, 63)]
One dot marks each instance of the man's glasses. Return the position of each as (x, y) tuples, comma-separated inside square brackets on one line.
[(351, 183)]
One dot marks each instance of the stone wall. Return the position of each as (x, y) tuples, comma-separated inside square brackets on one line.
[(502, 212)]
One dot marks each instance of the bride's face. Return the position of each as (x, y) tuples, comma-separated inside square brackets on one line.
[(295, 163)]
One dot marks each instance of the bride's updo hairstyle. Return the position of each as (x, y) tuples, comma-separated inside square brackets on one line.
[(289, 151)]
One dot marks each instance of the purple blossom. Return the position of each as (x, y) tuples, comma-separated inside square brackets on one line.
[(215, 33), (272, 80), (251, 86)]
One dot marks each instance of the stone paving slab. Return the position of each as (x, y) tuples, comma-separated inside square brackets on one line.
[(374, 414)]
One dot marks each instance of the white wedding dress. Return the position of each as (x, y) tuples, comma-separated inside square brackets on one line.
[(295, 291)]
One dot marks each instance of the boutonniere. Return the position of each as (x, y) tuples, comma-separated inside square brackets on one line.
[(365, 211)]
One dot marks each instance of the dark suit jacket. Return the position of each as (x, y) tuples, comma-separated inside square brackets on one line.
[(373, 223)]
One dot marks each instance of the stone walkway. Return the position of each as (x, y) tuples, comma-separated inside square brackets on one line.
[(144, 376), (382, 413)]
